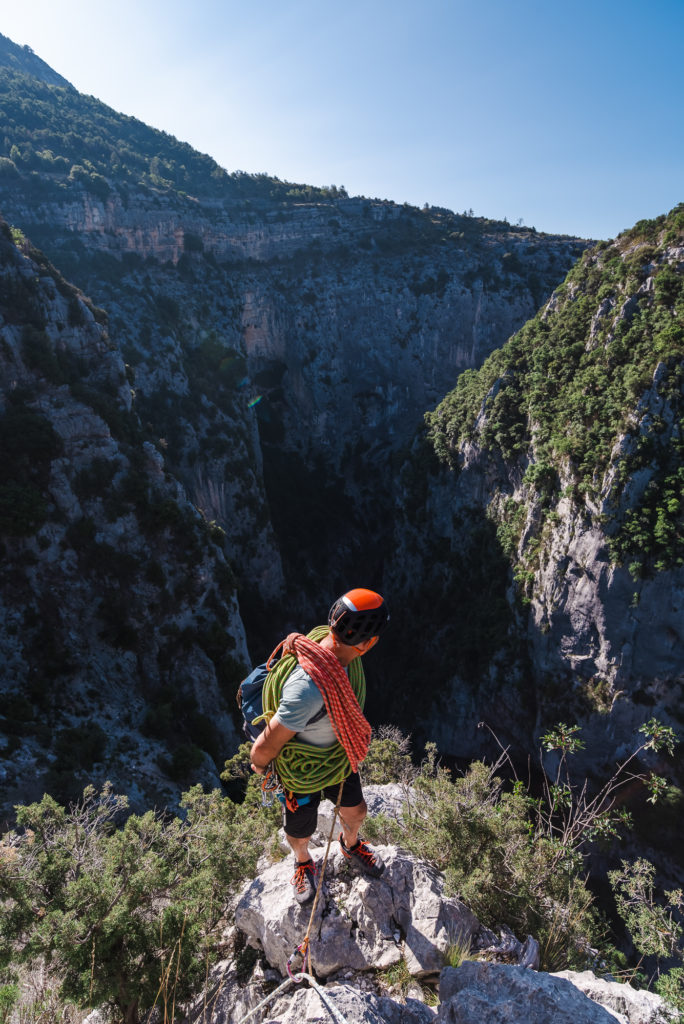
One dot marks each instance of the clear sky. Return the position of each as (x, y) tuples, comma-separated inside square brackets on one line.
[(569, 116)]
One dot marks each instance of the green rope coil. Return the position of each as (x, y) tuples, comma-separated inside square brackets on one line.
[(301, 767)]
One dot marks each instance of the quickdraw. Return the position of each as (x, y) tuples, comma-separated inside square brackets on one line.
[(299, 951), (271, 788)]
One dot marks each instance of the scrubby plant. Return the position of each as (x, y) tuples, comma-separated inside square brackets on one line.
[(655, 925), (114, 906), (515, 858), (457, 949), (389, 756)]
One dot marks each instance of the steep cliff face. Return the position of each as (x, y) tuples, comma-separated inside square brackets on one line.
[(284, 341), (567, 444), (121, 640), (276, 347)]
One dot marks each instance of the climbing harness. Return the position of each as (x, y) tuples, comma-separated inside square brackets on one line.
[(301, 767), (303, 950)]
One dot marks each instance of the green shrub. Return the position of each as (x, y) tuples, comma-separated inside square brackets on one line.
[(8, 993), (115, 909), (388, 757), (654, 923), (80, 746), (23, 509)]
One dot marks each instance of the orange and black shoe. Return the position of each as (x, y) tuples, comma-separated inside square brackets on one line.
[(304, 881), (361, 856)]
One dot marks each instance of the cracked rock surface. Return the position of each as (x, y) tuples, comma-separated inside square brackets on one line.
[(360, 923)]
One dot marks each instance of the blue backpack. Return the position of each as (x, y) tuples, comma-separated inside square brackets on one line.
[(249, 698), (250, 702)]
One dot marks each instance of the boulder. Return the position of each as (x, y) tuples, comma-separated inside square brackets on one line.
[(307, 1004), (299, 1003), (636, 1006), (504, 994)]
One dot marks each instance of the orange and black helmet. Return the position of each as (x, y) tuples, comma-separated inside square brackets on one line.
[(357, 616)]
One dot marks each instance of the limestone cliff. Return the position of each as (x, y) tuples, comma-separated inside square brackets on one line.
[(565, 450), (121, 638), (280, 345), (284, 341)]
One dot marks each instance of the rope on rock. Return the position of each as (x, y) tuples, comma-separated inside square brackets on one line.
[(336, 1014), (304, 949), (302, 767)]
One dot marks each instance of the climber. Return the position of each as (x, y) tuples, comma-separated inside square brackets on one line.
[(355, 623)]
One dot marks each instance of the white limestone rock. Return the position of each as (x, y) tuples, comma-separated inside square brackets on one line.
[(299, 1003), (361, 923), (635, 1006), (503, 994)]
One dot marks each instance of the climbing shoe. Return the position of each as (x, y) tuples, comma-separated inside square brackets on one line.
[(360, 855), (304, 881)]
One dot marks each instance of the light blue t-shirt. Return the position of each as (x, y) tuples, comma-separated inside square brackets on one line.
[(300, 701)]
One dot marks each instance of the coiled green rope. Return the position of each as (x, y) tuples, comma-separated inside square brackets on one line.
[(301, 767)]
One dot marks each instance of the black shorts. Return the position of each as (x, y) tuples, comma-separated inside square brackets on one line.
[(301, 824)]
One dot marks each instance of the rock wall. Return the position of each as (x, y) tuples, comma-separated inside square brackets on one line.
[(121, 638), (593, 629)]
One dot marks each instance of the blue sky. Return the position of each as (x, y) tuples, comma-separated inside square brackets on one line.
[(567, 116)]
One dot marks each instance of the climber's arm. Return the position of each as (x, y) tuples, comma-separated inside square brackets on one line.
[(268, 744)]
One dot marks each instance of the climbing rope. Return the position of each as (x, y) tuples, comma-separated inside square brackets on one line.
[(346, 717), (301, 767), (297, 978), (304, 949)]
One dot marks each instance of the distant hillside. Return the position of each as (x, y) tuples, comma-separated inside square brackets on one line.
[(22, 58)]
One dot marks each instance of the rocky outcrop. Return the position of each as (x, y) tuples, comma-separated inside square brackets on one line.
[(503, 994), (378, 953), (360, 923), (634, 1006), (470, 994), (231, 1001)]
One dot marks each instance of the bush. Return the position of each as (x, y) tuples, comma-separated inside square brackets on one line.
[(80, 746), (126, 915), (388, 757), (23, 510), (514, 858)]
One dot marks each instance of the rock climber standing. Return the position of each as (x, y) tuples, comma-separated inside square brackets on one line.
[(317, 735)]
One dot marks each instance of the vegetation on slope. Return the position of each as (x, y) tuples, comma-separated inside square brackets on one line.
[(55, 130), (589, 392), (56, 139), (130, 911)]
